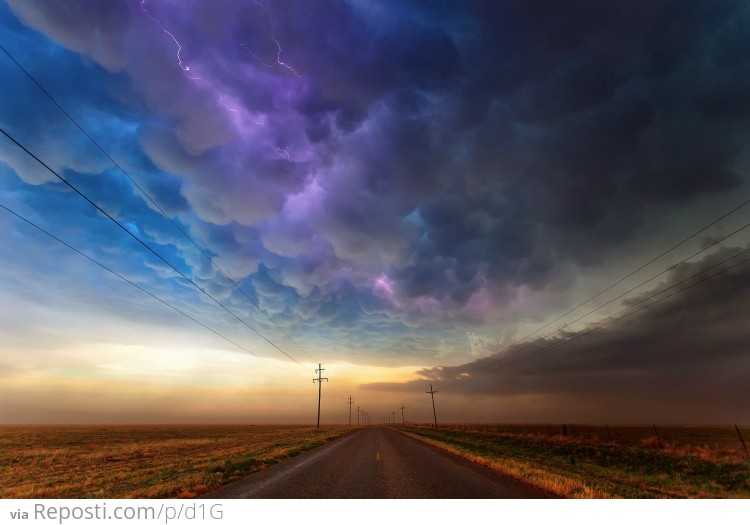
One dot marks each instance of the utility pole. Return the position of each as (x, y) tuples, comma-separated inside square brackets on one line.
[(350, 410), (403, 421), (320, 386), (432, 394), (358, 411), (394, 417)]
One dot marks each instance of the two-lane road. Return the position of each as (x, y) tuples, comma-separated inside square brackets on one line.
[(377, 462)]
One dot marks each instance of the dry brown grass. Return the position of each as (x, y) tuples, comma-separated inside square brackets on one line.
[(711, 443), (583, 466), (142, 461), (538, 477)]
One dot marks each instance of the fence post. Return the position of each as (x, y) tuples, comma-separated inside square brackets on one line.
[(658, 439), (609, 435), (572, 430), (742, 440), (549, 430)]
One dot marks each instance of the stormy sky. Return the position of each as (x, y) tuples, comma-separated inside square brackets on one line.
[(407, 192)]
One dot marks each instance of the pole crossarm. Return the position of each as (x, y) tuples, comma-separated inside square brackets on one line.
[(432, 394), (320, 380), (349, 402)]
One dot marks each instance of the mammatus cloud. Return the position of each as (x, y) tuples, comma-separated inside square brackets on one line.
[(367, 174), (684, 358)]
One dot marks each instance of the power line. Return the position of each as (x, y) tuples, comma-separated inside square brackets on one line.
[(612, 318), (236, 285), (320, 387), (148, 196), (142, 242), (686, 239), (349, 402), (139, 287), (501, 358), (337, 392), (432, 395)]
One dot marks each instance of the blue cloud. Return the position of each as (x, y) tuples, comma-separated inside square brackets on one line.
[(465, 153)]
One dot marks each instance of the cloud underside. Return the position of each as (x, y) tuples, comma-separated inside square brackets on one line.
[(684, 358), (365, 173)]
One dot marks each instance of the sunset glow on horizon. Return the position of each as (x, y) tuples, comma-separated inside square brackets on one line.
[(544, 213)]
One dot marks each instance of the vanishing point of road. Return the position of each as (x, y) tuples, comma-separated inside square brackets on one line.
[(377, 462)]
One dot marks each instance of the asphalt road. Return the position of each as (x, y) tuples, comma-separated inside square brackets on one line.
[(377, 462)]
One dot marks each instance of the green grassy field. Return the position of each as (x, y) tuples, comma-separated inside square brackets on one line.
[(143, 461), (691, 462)]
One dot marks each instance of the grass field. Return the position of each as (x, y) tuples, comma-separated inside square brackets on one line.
[(186, 461), (628, 462), (142, 461)]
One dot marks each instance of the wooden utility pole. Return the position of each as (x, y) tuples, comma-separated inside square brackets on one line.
[(358, 411), (432, 394), (403, 421), (658, 437), (320, 380), (394, 417), (350, 410), (742, 440)]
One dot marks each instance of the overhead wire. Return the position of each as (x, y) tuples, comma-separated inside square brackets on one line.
[(149, 198), (613, 318), (142, 289), (498, 359), (141, 241), (236, 284), (641, 267)]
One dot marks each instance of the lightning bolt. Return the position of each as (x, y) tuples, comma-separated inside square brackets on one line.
[(188, 73), (386, 286), (275, 41), (233, 109), (269, 66), (284, 153), (278, 53), (184, 68)]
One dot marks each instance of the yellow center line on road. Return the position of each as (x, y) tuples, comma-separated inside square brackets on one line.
[(377, 456)]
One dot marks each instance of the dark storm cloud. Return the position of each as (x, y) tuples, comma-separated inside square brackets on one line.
[(402, 164), (358, 57), (590, 110), (686, 353)]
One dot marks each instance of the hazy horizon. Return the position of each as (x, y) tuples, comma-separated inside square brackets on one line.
[(406, 193)]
